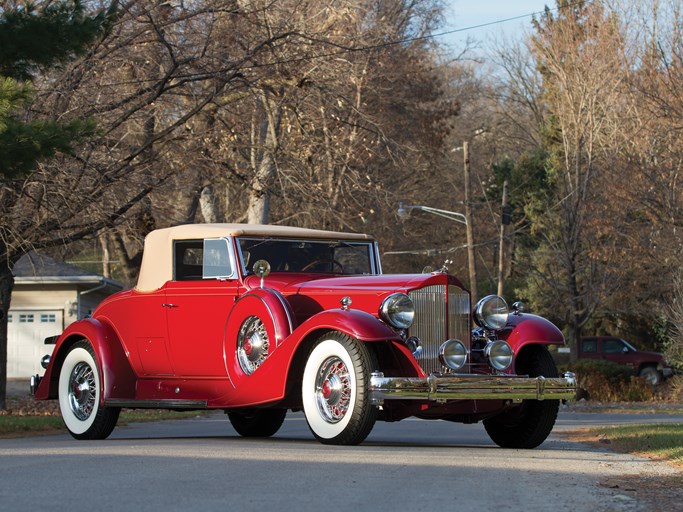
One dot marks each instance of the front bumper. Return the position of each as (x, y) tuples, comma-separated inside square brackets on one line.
[(441, 388), (34, 383)]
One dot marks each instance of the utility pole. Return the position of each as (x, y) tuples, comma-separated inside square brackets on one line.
[(504, 221), (468, 217)]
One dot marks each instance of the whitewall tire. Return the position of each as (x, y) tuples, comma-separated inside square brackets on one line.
[(334, 390), (79, 395)]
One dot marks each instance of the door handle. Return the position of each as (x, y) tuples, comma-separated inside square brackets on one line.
[(165, 305)]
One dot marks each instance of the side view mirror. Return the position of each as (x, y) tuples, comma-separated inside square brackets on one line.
[(262, 269)]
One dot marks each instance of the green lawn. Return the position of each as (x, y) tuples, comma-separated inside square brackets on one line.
[(661, 441)]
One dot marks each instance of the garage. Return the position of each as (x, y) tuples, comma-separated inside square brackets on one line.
[(26, 333), (48, 295)]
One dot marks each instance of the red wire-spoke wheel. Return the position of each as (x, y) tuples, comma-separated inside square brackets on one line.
[(82, 391), (334, 390)]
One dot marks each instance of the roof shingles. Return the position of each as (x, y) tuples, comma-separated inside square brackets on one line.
[(39, 265)]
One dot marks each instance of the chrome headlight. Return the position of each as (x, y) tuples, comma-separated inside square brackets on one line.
[(491, 312), (499, 354), (453, 354), (398, 310)]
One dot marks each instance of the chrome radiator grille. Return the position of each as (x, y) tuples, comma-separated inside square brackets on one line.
[(441, 312)]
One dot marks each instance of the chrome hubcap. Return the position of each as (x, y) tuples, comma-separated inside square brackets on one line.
[(252, 344), (82, 391), (333, 390)]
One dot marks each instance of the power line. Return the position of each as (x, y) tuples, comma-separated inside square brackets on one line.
[(505, 20), (343, 49)]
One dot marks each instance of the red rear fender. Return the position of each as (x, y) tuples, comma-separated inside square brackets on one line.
[(118, 379)]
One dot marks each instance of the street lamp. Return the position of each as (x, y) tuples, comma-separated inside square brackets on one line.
[(404, 210)]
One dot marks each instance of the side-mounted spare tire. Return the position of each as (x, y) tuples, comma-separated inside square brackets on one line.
[(530, 423), (80, 395)]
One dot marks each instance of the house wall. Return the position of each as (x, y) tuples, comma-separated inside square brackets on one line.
[(52, 297)]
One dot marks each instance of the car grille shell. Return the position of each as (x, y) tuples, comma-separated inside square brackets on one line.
[(442, 312)]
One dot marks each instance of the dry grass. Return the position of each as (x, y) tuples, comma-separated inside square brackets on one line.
[(26, 416)]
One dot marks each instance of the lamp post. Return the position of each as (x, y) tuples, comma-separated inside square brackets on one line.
[(404, 210), (471, 265)]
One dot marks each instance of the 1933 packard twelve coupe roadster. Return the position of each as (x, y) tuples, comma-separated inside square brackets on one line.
[(259, 320)]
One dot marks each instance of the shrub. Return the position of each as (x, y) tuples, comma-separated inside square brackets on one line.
[(606, 381), (672, 389)]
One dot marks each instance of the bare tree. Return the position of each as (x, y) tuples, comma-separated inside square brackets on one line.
[(674, 347), (332, 122), (143, 84), (581, 58)]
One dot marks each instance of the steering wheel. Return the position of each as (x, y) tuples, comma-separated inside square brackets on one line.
[(319, 261)]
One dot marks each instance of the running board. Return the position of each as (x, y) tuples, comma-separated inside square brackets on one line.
[(156, 404)]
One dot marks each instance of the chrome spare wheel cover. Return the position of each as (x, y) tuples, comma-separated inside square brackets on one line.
[(333, 390), (82, 391), (252, 344)]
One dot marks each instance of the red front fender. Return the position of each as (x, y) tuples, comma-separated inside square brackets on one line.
[(524, 329), (118, 378), (357, 324)]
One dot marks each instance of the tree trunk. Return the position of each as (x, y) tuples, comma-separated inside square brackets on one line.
[(207, 204), (106, 257), (263, 161), (6, 286)]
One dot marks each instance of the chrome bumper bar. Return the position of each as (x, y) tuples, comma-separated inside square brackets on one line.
[(441, 388)]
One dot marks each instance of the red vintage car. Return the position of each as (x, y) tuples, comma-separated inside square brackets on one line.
[(258, 320)]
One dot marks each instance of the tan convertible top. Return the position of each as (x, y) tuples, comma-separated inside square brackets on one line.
[(157, 258)]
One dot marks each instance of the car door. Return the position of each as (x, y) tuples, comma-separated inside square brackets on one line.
[(615, 350), (140, 321), (198, 302)]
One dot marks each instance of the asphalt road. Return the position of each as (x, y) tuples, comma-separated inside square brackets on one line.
[(201, 464)]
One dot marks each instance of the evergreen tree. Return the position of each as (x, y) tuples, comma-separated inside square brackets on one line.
[(34, 39)]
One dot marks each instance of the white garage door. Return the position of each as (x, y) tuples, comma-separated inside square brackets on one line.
[(26, 333)]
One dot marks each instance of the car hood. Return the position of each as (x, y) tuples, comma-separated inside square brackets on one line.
[(309, 294), (655, 356), (295, 283)]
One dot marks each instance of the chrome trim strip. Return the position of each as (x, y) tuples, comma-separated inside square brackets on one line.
[(156, 404), (377, 263), (460, 387), (285, 306)]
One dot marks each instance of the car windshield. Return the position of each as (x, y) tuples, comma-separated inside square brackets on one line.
[(316, 256)]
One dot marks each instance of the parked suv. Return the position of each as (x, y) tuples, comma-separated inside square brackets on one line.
[(260, 320), (650, 365)]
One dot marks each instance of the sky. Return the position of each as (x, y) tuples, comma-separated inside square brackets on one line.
[(461, 14)]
